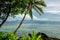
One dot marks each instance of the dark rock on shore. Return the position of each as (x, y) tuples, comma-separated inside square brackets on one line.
[(45, 37), (53, 38)]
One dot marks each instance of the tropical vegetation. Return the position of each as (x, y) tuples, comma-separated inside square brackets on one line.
[(11, 36)]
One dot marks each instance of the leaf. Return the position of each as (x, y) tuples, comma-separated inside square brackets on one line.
[(42, 3), (37, 10), (39, 37), (30, 13)]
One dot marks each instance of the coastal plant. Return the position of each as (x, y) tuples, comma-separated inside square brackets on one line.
[(32, 36), (2, 36), (11, 36), (8, 36)]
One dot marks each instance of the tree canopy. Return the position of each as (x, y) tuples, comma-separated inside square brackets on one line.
[(19, 6)]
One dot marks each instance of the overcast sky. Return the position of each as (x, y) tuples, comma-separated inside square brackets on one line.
[(51, 12)]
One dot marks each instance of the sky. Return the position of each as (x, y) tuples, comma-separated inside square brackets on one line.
[(51, 12)]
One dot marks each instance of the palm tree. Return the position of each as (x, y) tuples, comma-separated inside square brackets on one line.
[(32, 4)]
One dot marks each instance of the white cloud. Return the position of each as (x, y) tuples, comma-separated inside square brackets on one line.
[(53, 6), (53, 12), (17, 17)]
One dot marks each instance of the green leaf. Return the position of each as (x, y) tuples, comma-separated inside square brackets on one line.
[(42, 3), (37, 10), (30, 13), (40, 9)]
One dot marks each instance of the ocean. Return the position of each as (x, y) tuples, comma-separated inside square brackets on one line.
[(51, 28)]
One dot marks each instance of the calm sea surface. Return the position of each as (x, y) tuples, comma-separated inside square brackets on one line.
[(52, 29)]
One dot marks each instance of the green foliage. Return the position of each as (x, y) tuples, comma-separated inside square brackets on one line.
[(2, 36), (11, 36), (23, 38), (19, 6), (32, 36), (8, 36)]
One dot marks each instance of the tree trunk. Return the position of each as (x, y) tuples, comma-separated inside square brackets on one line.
[(5, 19), (20, 24)]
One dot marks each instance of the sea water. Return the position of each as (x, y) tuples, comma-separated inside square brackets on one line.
[(52, 29)]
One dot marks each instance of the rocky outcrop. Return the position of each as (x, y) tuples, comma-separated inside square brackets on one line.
[(45, 37)]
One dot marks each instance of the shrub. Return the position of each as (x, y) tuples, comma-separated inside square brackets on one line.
[(32, 36), (8, 36), (11, 36), (2, 36)]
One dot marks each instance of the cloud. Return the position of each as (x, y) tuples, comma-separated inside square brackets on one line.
[(54, 19), (53, 6), (17, 17), (53, 12)]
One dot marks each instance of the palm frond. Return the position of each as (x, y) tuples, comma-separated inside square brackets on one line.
[(36, 10), (30, 13), (42, 3), (40, 9)]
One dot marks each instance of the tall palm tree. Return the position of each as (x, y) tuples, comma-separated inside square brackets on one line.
[(32, 4)]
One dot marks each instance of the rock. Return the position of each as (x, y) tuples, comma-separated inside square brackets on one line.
[(53, 38), (44, 36)]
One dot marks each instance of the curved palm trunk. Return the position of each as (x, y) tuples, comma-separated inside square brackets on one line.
[(4, 21), (20, 24)]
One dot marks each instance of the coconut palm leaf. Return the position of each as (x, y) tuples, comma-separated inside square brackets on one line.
[(40, 9), (40, 3), (37, 10), (30, 13)]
